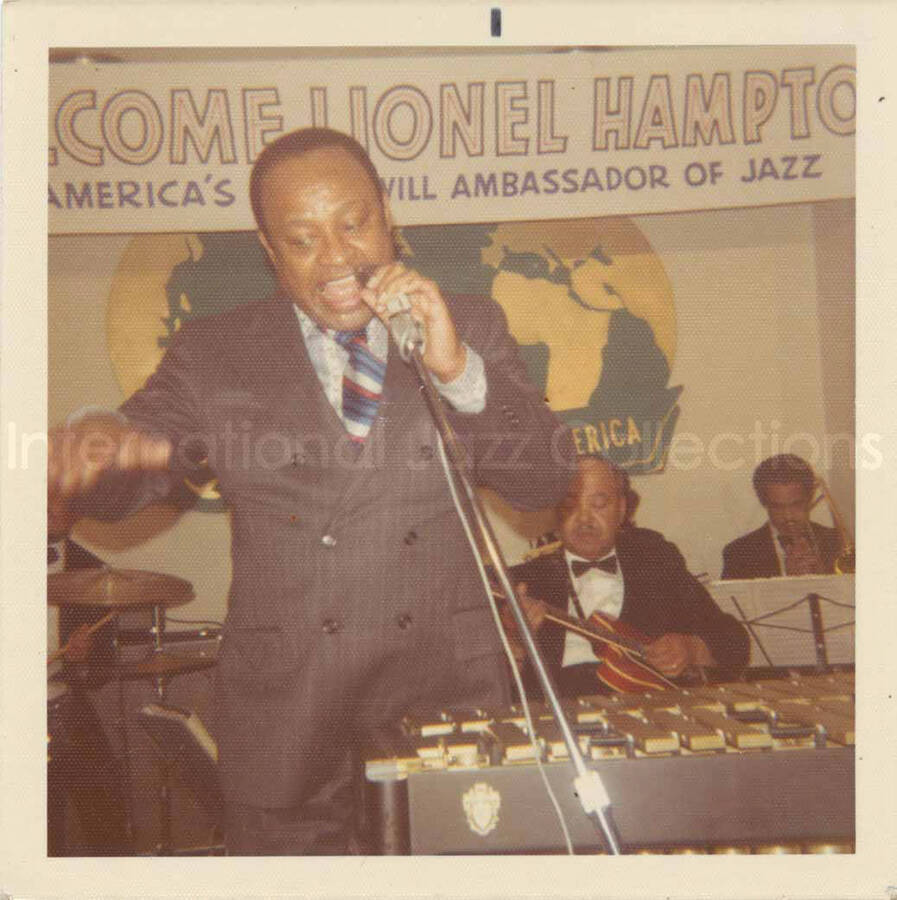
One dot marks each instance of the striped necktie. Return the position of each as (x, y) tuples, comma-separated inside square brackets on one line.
[(362, 384)]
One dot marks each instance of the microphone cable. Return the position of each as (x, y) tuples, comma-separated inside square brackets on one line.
[(493, 606)]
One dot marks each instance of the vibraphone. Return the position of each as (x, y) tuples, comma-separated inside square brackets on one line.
[(763, 766)]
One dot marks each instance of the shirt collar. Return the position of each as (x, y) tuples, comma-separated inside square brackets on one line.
[(373, 330), (776, 534), (570, 555)]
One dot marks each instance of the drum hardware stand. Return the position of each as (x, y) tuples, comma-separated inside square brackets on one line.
[(587, 784), (157, 630), (163, 846), (118, 589), (125, 762)]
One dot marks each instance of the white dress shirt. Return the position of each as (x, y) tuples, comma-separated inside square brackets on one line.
[(599, 591), (780, 550)]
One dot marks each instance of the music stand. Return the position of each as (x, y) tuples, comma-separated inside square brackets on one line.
[(794, 621)]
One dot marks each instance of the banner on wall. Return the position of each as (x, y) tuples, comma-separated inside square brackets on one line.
[(166, 147)]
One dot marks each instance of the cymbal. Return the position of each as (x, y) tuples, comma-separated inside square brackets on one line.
[(162, 665), (117, 587)]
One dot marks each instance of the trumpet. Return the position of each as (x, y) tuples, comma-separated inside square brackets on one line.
[(845, 561), (803, 555)]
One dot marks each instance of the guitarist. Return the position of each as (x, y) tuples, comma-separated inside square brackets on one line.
[(607, 564)]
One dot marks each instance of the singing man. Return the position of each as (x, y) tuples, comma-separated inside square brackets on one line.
[(355, 597)]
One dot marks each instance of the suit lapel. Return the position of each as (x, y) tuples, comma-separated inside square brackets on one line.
[(637, 577), (400, 402), (559, 579), (767, 547), (829, 543), (283, 373), (279, 368), (400, 399)]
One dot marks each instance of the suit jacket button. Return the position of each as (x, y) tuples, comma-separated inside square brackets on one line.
[(410, 538), (404, 621), (426, 452), (328, 540), (330, 626)]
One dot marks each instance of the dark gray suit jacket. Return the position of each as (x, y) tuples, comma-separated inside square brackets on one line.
[(354, 595)]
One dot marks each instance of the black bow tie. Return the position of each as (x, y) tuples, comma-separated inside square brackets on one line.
[(581, 566)]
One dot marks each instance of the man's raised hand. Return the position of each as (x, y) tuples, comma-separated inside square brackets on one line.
[(78, 454)]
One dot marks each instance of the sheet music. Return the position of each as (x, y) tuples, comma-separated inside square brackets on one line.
[(778, 612)]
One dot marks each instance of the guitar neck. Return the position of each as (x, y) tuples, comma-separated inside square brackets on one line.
[(592, 632)]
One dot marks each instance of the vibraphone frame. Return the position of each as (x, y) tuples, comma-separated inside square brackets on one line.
[(800, 798)]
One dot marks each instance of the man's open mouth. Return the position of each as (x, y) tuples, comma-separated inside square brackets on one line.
[(342, 292)]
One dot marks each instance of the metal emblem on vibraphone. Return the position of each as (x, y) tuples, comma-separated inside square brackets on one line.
[(761, 767)]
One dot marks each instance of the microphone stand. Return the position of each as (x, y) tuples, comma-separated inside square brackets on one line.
[(587, 784)]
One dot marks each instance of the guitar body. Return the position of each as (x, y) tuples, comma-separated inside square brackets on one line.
[(622, 646), (619, 669)]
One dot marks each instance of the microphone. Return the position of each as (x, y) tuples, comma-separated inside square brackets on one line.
[(405, 330)]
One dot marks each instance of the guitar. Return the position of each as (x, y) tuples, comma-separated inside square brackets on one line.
[(622, 667)]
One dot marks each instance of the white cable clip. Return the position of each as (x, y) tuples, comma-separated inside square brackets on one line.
[(591, 792)]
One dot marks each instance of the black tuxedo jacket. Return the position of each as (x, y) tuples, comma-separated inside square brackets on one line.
[(754, 555), (659, 596), (354, 595)]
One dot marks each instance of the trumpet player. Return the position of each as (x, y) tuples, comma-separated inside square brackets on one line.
[(789, 543)]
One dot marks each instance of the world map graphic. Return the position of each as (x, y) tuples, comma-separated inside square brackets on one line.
[(588, 301)]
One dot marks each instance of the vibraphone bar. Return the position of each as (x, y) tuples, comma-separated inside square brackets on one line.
[(762, 767)]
